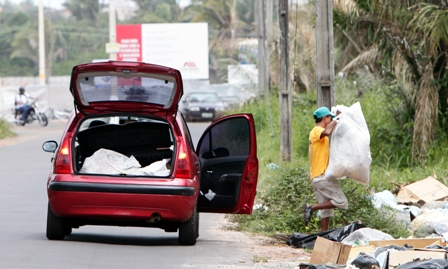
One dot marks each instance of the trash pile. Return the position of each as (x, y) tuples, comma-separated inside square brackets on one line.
[(421, 206), (357, 246)]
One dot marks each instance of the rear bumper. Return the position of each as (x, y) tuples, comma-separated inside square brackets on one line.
[(121, 188), (121, 201)]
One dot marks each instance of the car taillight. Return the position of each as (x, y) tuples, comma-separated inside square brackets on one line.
[(62, 161), (183, 169)]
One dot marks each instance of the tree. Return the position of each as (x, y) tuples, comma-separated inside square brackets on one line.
[(407, 42), (84, 10), (156, 11)]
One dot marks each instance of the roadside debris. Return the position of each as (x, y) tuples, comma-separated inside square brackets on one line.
[(421, 206)]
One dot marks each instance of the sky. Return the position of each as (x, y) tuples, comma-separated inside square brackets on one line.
[(57, 4)]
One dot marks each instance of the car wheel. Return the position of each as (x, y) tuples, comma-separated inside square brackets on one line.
[(188, 231), (56, 227), (197, 226), (68, 230)]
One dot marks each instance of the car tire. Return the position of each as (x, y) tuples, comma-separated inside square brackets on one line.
[(188, 231), (68, 230), (56, 227), (197, 225)]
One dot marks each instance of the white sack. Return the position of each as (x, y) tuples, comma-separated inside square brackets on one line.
[(109, 162), (350, 147)]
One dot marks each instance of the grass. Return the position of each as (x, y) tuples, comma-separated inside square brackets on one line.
[(5, 129)]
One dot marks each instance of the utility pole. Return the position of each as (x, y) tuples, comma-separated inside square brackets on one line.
[(42, 71), (285, 91), (112, 49), (324, 53), (262, 89), (269, 8)]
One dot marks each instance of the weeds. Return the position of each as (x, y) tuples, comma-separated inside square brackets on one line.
[(5, 129)]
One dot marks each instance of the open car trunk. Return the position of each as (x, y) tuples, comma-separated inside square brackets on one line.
[(128, 146)]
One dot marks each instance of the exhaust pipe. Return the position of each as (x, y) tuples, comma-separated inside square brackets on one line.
[(155, 217)]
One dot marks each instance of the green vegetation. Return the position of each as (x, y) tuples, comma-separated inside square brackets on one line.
[(5, 129), (282, 191)]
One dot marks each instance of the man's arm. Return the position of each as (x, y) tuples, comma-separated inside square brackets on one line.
[(329, 129)]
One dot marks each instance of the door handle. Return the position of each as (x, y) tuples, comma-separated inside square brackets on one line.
[(209, 172)]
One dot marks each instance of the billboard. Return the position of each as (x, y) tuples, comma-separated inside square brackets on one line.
[(183, 46)]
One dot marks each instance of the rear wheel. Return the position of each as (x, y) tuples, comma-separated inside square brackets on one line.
[(56, 227), (43, 120), (188, 231)]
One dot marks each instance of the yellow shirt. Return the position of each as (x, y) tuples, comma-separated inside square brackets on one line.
[(319, 152)]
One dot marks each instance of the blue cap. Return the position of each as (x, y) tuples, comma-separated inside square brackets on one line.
[(322, 112)]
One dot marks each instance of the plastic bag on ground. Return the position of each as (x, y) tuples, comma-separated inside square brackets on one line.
[(384, 198), (428, 264), (307, 241), (350, 147), (364, 260), (423, 224), (361, 237)]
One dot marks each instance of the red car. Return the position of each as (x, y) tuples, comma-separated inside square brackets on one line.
[(126, 157)]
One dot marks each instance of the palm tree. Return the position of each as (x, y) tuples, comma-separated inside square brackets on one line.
[(407, 40)]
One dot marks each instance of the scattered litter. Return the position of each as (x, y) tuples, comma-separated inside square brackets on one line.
[(428, 190), (432, 263), (361, 237), (272, 166), (365, 261), (426, 224), (307, 241), (210, 195)]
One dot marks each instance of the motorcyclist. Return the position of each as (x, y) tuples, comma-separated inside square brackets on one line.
[(21, 104)]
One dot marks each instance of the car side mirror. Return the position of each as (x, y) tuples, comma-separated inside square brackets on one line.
[(50, 146)]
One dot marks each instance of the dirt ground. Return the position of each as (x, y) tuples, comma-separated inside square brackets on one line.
[(271, 250), (267, 251)]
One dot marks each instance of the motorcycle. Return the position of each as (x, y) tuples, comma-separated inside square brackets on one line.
[(35, 114)]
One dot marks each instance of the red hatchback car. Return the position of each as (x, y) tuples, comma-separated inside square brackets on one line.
[(126, 157)]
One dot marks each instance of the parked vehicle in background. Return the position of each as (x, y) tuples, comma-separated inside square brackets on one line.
[(126, 157), (35, 114), (203, 106), (231, 101)]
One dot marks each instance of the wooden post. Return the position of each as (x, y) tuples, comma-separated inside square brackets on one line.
[(324, 53), (285, 91)]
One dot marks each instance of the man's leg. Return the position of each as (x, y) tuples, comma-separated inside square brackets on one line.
[(26, 111), (324, 223), (325, 205)]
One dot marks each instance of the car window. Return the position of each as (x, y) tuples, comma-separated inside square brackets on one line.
[(231, 137), (131, 88)]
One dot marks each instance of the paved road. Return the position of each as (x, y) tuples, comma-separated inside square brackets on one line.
[(23, 205)]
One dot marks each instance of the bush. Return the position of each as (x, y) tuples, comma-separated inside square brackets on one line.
[(279, 208), (5, 129)]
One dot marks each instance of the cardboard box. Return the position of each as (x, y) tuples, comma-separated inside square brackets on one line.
[(327, 251), (396, 258), (428, 190), (355, 251), (415, 243)]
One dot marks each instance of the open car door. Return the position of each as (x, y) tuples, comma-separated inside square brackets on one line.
[(227, 152)]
